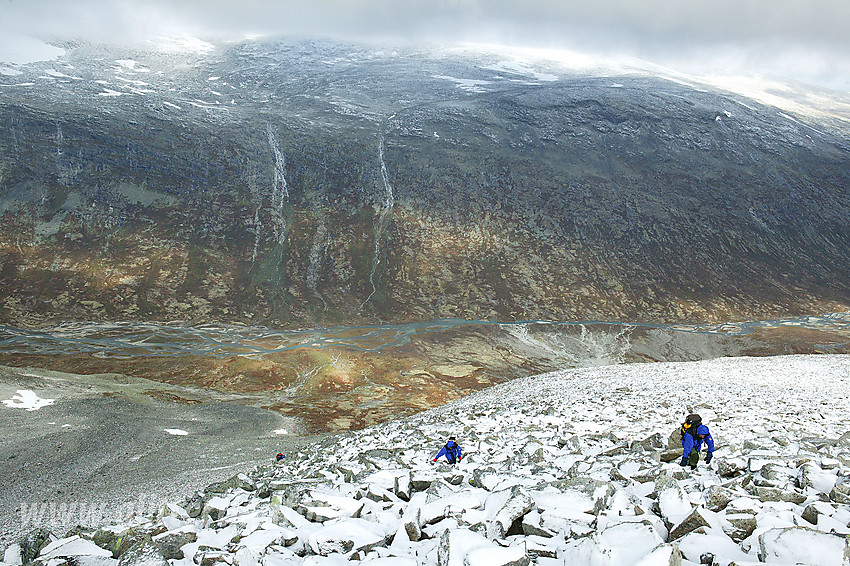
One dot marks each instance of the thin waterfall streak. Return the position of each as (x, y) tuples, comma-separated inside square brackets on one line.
[(280, 191), (389, 202), (279, 169), (257, 230)]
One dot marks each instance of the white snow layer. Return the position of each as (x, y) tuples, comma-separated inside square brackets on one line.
[(573, 467), (19, 49), (26, 399), (176, 432)]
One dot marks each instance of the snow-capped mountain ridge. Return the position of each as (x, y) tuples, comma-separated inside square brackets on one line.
[(522, 188)]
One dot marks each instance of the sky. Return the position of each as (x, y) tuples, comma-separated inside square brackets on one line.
[(802, 39)]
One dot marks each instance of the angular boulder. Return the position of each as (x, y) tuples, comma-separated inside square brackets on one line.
[(455, 544), (497, 556), (794, 545), (143, 553)]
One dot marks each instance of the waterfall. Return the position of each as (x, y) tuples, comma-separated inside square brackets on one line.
[(382, 219), (280, 192)]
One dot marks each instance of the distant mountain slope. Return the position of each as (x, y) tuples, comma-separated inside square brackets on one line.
[(313, 183)]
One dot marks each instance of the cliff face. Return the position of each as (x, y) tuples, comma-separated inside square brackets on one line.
[(312, 184)]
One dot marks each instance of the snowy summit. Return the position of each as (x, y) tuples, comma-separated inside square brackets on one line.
[(573, 467)]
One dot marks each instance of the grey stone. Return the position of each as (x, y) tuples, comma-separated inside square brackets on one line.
[(517, 505), (727, 468), (454, 479), (675, 440), (665, 554), (773, 494), (647, 475), (239, 481), (841, 493), (402, 487), (718, 497), (653, 442), (143, 553), (690, 523), (169, 545), (531, 526), (411, 526), (194, 506), (810, 514), (741, 526), (774, 475), (32, 543), (571, 444), (670, 455), (420, 481)]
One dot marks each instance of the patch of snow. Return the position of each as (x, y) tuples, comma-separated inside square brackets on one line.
[(59, 75), (176, 432), (469, 85), (281, 431), (16, 49), (521, 68), (28, 400), (184, 44)]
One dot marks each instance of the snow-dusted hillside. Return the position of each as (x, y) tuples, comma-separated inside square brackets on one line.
[(574, 467)]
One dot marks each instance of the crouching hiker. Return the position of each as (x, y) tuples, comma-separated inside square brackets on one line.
[(451, 451), (694, 433)]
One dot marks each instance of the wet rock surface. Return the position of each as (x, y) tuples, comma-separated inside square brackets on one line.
[(313, 183)]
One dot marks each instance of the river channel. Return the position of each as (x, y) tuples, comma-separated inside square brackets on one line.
[(132, 339)]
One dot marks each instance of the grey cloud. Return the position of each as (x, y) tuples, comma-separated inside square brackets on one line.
[(761, 32)]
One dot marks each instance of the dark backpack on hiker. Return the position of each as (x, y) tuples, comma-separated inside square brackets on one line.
[(691, 425), (451, 453)]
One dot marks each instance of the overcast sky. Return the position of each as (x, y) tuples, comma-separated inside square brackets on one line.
[(804, 39)]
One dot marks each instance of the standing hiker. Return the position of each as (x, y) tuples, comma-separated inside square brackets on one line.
[(451, 451), (694, 433)]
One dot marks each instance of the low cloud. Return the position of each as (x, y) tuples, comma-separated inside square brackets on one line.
[(802, 39)]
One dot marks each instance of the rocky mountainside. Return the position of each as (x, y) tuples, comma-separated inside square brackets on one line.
[(309, 183), (574, 467)]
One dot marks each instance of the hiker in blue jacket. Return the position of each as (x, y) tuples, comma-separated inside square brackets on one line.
[(451, 451), (694, 433)]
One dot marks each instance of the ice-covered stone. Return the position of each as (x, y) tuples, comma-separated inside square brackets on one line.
[(532, 525), (673, 503), (718, 497), (12, 555), (795, 545), (497, 556), (72, 546), (662, 555), (455, 544), (345, 536), (517, 505)]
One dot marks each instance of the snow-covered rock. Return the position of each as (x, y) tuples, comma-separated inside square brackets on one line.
[(576, 467)]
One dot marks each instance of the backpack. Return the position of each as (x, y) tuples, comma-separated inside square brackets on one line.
[(451, 452), (695, 421)]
